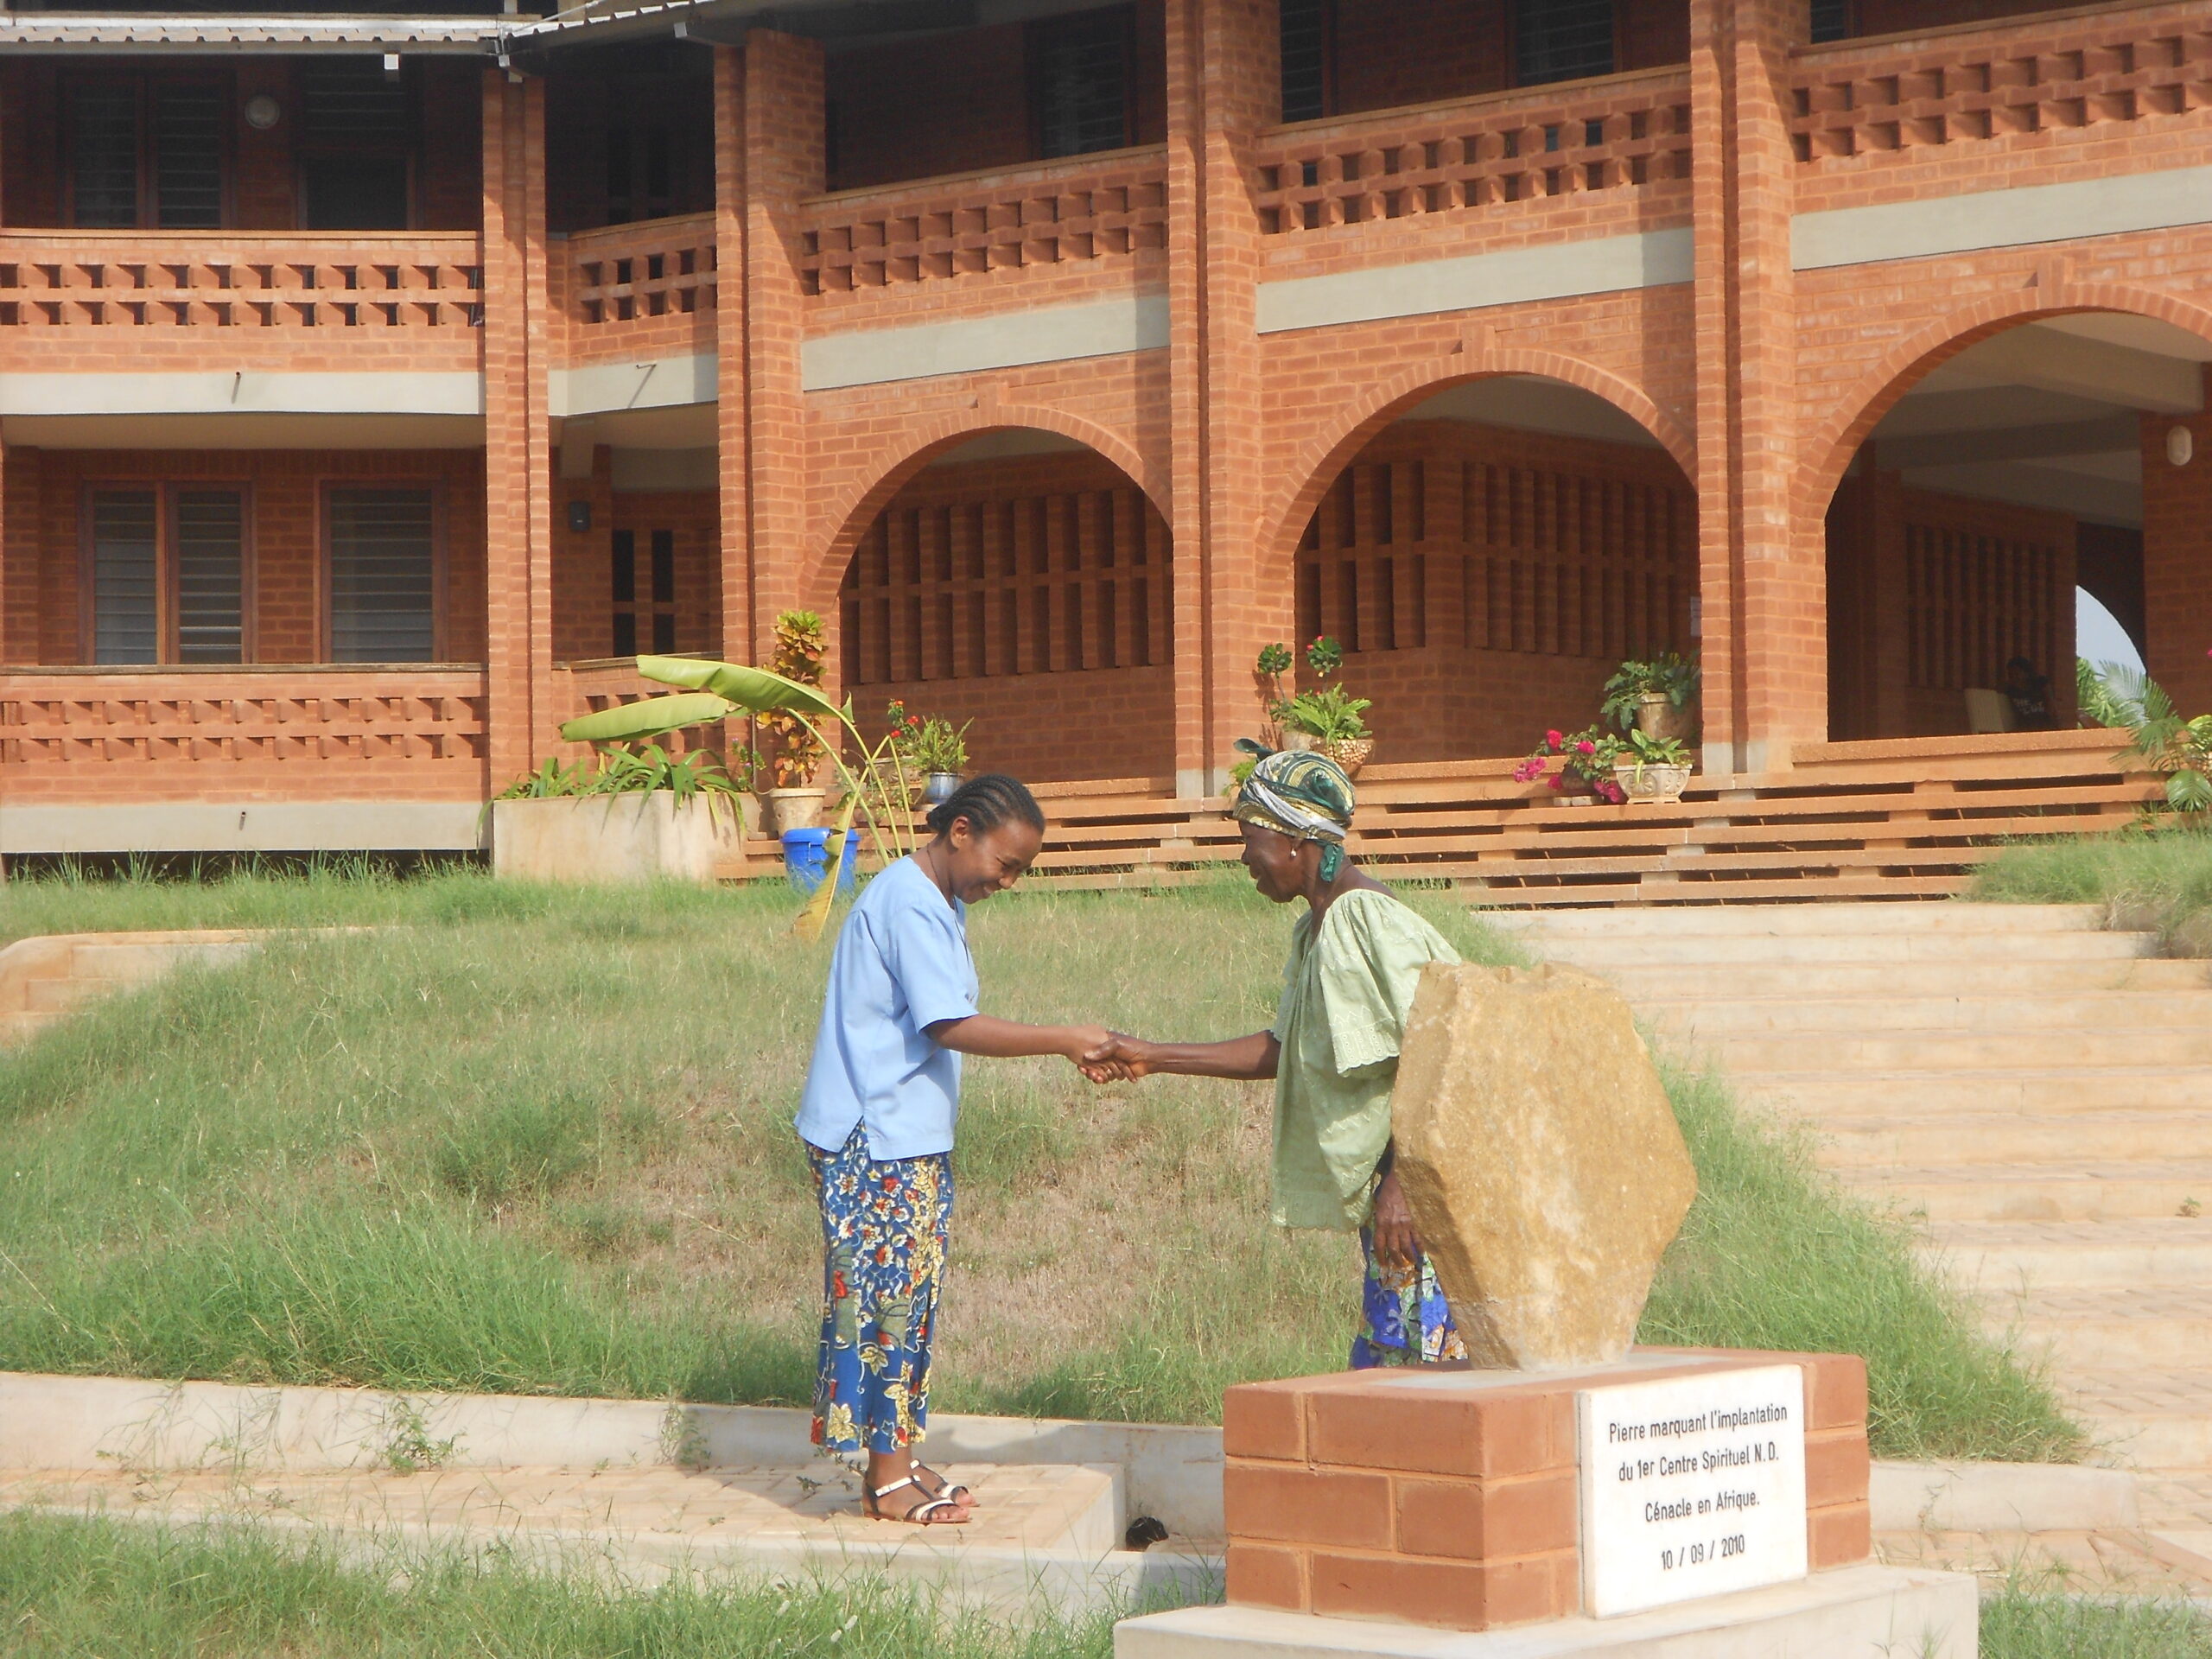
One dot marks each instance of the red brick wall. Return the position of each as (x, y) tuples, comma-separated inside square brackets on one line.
[(285, 589), (1394, 52), (1031, 595), (958, 103), (1484, 582), (2177, 562), (584, 603), (1930, 594), (264, 174)]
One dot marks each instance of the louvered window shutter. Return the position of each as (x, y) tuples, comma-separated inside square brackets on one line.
[(383, 575)]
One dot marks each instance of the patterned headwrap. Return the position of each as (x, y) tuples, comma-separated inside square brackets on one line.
[(1300, 794)]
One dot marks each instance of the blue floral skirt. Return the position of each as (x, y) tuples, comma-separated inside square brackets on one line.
[(1403, 1318), (884, 1228)]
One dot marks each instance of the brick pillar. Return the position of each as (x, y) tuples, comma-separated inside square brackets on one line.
[(779, 113), (1761, 564), (517, 432), (732, 407), (2177, 551), (1223, 86)]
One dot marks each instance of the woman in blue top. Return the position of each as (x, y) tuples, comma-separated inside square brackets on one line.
[(882, 1093)]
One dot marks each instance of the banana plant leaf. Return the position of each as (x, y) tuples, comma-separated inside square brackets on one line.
[(816, 916), (755, 689), (654, 717)]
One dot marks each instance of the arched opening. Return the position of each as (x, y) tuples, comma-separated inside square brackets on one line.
[(1489, 557), (2016, 487), (1022, 582)]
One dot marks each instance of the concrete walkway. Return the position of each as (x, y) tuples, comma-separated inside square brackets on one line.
[(2037, 1088)]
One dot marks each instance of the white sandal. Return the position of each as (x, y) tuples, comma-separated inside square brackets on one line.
[(923, 1513)]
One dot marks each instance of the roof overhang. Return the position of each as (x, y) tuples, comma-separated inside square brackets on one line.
[(111, 34)]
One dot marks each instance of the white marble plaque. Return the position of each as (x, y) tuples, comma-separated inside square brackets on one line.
[(1691, 1486)]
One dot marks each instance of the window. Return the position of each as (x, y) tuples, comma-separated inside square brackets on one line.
[(356, 146), (1079, 82), (146, 152), (383, 582), (660, 616), (166, 574), (640, 174), (1832, 20), (1563, 40), (1308, 58)]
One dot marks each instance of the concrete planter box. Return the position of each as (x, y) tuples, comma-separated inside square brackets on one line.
[(600, 838)]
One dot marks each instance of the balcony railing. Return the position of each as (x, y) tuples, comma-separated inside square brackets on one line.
[(306, 732), (1095, 207), (1472, 153), (640, 284), (228, 279), (1971, 85)]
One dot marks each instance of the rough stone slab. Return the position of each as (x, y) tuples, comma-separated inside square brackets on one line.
[(2002, 1497), (1857, 1612), (1542, 1158)]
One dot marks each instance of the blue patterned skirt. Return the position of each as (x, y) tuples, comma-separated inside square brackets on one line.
[(884, 1229), (1403, 1318)]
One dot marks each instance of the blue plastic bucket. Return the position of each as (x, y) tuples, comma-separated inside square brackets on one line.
[(806, 852)]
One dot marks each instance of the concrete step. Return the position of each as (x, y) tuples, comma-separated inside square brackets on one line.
[(2168, 1327), (59, 995), (2000, 1258), (138, 960), (1819, 1096), (2152, 1417), (1946, 1050), (1787, 956), (1735, 981), (1995, 1192), (2063, 1138), (2046, 1009), (1798, 921)]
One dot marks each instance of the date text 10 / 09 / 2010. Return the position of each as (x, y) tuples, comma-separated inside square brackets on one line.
[(1696, 1554)]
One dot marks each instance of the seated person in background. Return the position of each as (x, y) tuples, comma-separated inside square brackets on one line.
[(2029, 693)]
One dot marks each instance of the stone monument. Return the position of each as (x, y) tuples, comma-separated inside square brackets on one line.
[(1541, 1156), (1597, 1497)]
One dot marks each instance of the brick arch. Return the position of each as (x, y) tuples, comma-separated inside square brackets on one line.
[(910, 452), (1329, 453), (1879, 390)]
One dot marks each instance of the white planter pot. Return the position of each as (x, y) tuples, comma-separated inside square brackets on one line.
[(794, 808), (1656, 782), (615, 838)]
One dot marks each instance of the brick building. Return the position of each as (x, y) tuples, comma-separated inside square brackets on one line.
[(374, 386)]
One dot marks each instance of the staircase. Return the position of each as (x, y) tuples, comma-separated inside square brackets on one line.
[(2039, 1088), (42, 979)]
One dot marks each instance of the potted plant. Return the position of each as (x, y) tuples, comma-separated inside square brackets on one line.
[(631, 815), (715, 691), (934, 749), (1586, 768), (2178, 750), (1266, 674), (1328, 719), (795, 748), (1651, 769), (1654, 697)]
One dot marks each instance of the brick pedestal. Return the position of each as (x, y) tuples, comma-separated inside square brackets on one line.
[(1448, 1499)]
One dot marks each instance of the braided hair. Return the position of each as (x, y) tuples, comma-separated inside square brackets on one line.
[(988, 801)]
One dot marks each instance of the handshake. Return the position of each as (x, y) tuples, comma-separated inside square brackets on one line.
[(1106, 1056)]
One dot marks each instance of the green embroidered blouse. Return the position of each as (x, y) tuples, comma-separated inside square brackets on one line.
[(1345, 996)]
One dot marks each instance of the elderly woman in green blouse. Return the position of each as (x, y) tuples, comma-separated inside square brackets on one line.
[(1356, 958)]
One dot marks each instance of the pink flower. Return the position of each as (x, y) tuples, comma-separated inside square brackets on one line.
[(1552, 740), (1610, 792), (1560, 782), (1586, 746), (1528, 770)]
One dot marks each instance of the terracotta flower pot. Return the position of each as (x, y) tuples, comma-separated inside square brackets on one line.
[(1350, 752), (1658, 716), (796, 809)]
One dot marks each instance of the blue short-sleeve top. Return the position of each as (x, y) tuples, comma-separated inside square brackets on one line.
[(901, 965)]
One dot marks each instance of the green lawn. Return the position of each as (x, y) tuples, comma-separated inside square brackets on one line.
[(95, 1590), (537, 1140)]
